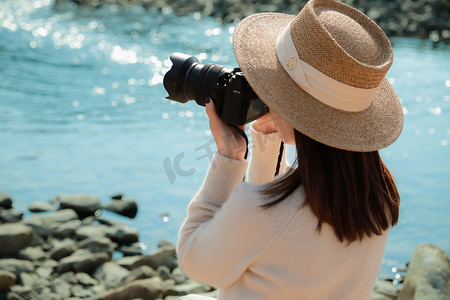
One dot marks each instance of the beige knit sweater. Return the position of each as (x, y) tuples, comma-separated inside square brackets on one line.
[(231, 243)]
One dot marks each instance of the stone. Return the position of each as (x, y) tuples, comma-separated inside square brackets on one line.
[(84, 204), (131, 250), (14, 237), (428, 275), (110, 274), (10, 216), (148, 289), (80, 292), (127, 208), (16, 266), (385, 290), (93, 231), (5, 200), (32, 254), (61, 287), (164, 272), (162, 256), (129, 262), (38, 207), (101, 244), (164, 243), (123, 234), (141, 272), (179, 276), (53, 219), (69, 277), (62, 249), (25, 292), (14, 296), (43, 230), (82, 261), (189, 287), (67, 229), (86, 280), (118, 196), (7, 279)]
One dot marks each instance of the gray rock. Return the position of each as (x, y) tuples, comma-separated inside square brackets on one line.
[(35, 281), (53, 219), (94, 231), (7, 279), (44, 231), (129, 262), (5, 200), (86, 280), (14, 296), (131, 250), (110, 274), (46, 295), (127, 208), (385, 290), (14, 237), (81, 292), (25, 292), (38, 206), (85, 205), (62, 249), (10, 216), (32, 254), (141, 272), (147, 289), (82, 261), (123, 234), (67, 229), (164, 243), (101, 244), (189, 287), (162, 256), (69, 277), (61, 287), (428, 275), (164, 272), (179, 276)]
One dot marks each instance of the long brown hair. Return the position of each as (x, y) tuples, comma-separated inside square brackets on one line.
[(354, 192)]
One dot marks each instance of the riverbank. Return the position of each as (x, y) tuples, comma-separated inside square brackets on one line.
[(67, 250), (410, 18)]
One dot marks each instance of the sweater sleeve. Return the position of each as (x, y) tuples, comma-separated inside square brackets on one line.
[(264, 157), (226, 229)]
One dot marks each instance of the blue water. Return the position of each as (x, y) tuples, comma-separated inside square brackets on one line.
[(82, 110)]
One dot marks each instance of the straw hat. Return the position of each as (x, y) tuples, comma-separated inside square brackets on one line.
[(323, 71)]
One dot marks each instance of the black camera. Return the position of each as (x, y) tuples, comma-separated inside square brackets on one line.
[(236, 102)]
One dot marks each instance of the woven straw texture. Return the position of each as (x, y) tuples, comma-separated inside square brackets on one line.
[(342, 43)]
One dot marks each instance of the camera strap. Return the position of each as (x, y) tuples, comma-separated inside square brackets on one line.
[(280, 153), (280, 156), (242, 133)]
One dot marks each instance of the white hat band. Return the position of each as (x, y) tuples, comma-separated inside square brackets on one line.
[(322, 87)]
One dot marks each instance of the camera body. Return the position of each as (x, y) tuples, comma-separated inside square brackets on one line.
[(236, 102)]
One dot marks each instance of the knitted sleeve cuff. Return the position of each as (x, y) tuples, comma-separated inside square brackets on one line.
[(264, 156)]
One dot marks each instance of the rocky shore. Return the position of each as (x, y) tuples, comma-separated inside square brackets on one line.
[(67, 250), (412, 18)]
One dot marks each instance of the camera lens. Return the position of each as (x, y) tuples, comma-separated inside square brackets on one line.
[(190, 80)]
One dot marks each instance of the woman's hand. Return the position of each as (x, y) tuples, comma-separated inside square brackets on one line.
[(229, 143), (265, 124)]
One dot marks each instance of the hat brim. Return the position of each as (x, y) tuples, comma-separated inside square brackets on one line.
[(372, 129)]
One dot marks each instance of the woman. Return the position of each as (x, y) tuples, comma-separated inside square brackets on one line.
[(317, 231)]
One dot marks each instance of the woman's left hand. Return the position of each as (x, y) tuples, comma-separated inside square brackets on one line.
[(229, 143)]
